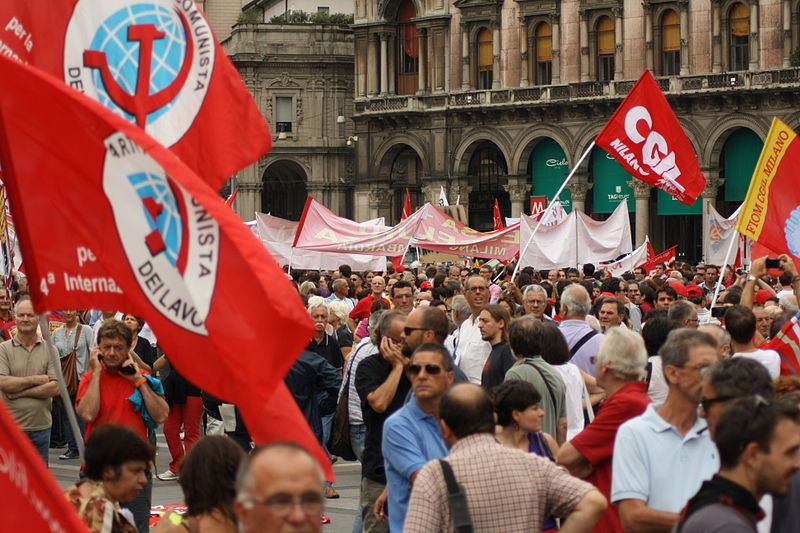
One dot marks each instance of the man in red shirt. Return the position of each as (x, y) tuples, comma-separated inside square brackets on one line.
[(103, 395), (620, 369), (362, 308)]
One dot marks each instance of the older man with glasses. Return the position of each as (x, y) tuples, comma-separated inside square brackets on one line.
[(472, 351)]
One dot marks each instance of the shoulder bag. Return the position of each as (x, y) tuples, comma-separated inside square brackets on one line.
[(69, 365)]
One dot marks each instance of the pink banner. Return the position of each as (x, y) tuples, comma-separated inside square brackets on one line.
[(428, 228)]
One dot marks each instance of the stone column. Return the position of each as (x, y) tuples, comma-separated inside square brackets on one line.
[(519, 193), (716, 38), (318, 192), (384, 37), (641, 194), (584, 42), (392, 45), (465, 62), (248, 200), (683, 7), (423, 60), (649, 57), (524, 63), (555, 21), (460, 193), (754, 48), (619, 73), (380, 202), (372, 65), (496, 74), (787, 32), (579, 188)]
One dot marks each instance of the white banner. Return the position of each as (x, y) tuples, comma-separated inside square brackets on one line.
[(717, 235), (576, 240), (627, 263), (277, 234)]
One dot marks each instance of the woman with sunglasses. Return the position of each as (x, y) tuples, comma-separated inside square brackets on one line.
[(519, 420)]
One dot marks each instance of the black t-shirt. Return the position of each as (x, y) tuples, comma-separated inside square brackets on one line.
[(370, 375), (329, 350), (146, 352), (499, 361)]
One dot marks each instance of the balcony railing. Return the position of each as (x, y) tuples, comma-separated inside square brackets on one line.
[(577, 91)]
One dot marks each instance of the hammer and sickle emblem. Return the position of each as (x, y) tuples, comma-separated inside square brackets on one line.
[(142, 103)]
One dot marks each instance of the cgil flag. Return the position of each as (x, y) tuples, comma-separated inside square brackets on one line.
[(156, 63), (771, 211), (645, 137), (787, 344), (497, 218), (113, 220)]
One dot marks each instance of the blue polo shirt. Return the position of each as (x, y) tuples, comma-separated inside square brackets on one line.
[(411, 438), (654, 463)]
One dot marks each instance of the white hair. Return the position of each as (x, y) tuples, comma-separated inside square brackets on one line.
[(317, 301), (340, 309), (623, 353), (575, 298)]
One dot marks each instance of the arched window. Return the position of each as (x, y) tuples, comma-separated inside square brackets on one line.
[(407, 49), (543, 42), (605, 49), (670, 43), (740, 37), (485, 58)]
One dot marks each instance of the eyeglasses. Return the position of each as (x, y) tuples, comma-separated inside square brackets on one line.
[(433, 370), (477, 289), (354, 279), (409, 330), (706, 403), (698, 368), (282, 504)]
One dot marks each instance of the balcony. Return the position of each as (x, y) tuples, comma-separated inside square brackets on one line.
[(579, 92)]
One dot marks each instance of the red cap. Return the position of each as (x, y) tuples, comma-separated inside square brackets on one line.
[(425, 285), (693, 291), (680, 288), (762, 295)]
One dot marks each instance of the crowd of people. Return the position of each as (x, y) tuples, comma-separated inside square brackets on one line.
[(560, 400)]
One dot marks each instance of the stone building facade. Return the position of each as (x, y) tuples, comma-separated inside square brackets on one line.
[(499, 99), (301, 76)]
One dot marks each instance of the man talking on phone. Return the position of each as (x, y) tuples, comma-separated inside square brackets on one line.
[(103, 394)]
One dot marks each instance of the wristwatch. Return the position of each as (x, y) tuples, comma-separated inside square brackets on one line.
[(751, 278)]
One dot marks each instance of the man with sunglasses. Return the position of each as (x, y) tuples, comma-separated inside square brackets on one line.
[(411, 436), (662, 457), (280, 489)]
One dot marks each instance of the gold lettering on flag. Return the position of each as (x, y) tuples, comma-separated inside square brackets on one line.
[(751, 220)]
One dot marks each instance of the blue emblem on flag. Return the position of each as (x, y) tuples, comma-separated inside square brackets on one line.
[(162, 213)]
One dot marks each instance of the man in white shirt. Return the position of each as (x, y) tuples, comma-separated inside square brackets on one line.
[(741, 324), (472, 351)]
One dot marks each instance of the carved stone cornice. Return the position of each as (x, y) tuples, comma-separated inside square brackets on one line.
[(641, 189), (245, 186), (518, 192), (379, 197), (579, 190), (713, 183)]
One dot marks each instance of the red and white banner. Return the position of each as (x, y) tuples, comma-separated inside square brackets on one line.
[(118, 222), (718, 234), (666, 257), (428, 228), (645, 137), (156, 63), (277, 235), (32, 499), (627, 263), (576, 240)]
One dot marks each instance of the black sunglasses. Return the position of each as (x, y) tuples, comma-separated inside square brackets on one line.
[(706, 403), (432, 370), (409, 330)]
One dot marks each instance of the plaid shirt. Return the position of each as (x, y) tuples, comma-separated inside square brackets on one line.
[(507, 489)]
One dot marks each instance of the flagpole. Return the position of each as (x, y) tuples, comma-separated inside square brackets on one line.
[(62, 385), (722, 270), (549, 208)]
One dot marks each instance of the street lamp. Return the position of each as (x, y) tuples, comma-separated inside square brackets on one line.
[(352, 139)]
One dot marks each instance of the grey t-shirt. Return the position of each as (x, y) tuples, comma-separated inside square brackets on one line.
[(717, 518)]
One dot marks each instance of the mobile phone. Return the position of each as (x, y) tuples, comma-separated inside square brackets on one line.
[(773, 262), (719, 311), (127, 370)]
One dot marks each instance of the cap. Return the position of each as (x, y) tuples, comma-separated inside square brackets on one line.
[(762, 295), (680, 288), (425, 285), (693, 291)]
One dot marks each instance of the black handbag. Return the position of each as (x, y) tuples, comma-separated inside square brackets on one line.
[(339, 442)]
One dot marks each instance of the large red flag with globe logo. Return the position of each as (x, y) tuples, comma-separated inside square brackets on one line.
[(155, 62), (113, 220)]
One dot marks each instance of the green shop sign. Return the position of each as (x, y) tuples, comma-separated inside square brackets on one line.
[(610, 183), (549, 169)]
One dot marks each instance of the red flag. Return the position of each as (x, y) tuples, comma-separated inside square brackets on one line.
[(787, 344), (666, 256), (231, 197), (651, 252), (33, 500), (156, 63), (497, 217), (118, 222), (645, 137), (406, 207)]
